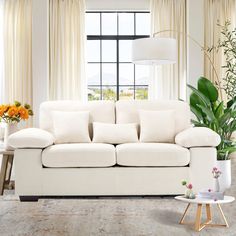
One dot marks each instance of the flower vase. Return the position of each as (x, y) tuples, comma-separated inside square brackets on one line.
[(216, 185), (9, 129), (189, 194)]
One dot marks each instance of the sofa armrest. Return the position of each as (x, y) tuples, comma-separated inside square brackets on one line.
[(197, 137), (202, 161), (31, 138)]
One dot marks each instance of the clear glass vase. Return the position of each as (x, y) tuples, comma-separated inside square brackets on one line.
[(10, 128), (189, 193)]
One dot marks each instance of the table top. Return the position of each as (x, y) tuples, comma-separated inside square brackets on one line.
[(199, 200)]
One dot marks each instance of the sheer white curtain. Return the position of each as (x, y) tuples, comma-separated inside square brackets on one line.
[(169, 81), (67, 50), (216, 11), (1, 53), (18, 50)]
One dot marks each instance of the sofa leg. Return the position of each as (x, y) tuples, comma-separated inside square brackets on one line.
[(28, 198)]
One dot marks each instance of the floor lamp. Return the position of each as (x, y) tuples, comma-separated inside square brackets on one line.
[(160, 51)]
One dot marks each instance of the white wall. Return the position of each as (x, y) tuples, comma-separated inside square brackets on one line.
[(195, 27), (40, 54)]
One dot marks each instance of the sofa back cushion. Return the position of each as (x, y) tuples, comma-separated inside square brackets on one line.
[(128, 111), (99, 111)]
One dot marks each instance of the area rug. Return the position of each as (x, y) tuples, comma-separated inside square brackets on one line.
[(106, 216)]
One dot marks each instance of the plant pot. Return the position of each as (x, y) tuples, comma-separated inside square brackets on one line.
[(9, 129), (225, 178)]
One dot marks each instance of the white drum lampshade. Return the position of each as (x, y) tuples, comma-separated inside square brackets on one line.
[(154, 51)]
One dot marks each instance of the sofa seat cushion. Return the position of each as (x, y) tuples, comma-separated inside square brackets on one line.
[(152, 154), (79, 155)]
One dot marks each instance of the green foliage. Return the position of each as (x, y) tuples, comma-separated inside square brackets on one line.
[(212, 113), (141, 93), (17, 104), (228, 45), (109, 94)]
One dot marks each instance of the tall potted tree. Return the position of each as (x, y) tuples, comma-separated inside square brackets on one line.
[(217, 114)]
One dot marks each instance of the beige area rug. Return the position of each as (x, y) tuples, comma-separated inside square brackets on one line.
[(106, 216)]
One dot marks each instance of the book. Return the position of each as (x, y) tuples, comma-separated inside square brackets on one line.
[(210, 194)]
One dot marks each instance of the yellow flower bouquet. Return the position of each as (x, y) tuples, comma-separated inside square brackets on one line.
[(14, 113)]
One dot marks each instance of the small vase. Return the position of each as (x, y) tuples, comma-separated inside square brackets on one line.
[(9, 129), (189, 194), (225, 178), (216, 185)]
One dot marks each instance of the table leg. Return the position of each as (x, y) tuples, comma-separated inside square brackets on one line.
[(185, 212), (223, 216), (9, 170), (3, 172), (208, 212), (198, 217)]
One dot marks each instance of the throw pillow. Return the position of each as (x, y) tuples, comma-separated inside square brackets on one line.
[(157, 126), (71, 127), (114, 133)]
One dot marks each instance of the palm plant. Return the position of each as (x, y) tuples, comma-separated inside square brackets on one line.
[(212, 113)]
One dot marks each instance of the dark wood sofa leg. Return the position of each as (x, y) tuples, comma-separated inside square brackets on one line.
[(29, 198)]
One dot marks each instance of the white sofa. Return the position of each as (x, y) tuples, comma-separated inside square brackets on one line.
[(43, 168)]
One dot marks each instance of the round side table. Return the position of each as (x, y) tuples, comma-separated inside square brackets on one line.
[(198, 225), (6, 168)]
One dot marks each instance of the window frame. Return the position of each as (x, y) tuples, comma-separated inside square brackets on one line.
[(116, 38)]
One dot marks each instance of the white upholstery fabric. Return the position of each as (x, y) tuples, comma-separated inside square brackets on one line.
[(79, 155), (127, 111), (71, 127), (100, 111), (168, 162), (157, 126), (203, 159), (114, 133), (31, 138), (36, 180), (198, 137), (152, 154)]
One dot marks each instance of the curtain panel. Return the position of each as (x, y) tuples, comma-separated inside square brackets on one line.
[(17, 32), (2, 90), (216, 11), (169, 81), (67, 78)]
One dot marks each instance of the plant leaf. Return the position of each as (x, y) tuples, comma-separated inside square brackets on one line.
[(200, 95), (209, 113), (206, 87), (219, 111)]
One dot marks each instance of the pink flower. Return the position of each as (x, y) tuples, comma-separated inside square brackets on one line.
[(215, 169), (190, 186)]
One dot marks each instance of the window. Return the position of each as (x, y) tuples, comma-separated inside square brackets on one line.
[(111, 74)]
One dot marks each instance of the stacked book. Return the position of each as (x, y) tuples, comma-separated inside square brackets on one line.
[(210, 194)]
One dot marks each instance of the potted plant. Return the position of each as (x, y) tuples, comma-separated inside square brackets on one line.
[(11, 115), (212, 113), (217, 114)]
